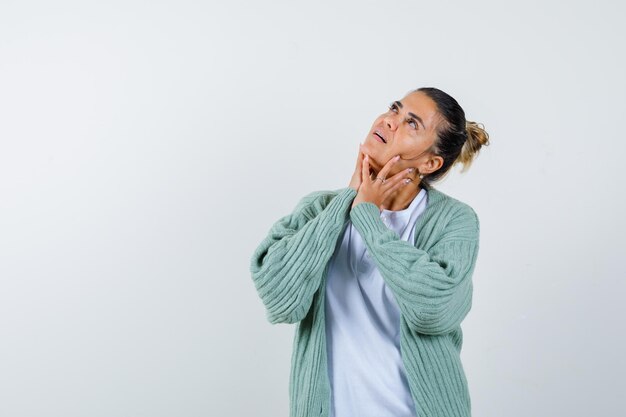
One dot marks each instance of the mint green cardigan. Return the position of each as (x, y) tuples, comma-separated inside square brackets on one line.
[(430, 279)]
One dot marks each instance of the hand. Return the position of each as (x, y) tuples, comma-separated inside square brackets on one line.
[(373, 190), (355, 182)]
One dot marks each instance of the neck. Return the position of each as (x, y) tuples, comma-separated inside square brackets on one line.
[(404, 197)]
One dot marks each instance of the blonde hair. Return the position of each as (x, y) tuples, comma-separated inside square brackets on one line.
[(477, 137)]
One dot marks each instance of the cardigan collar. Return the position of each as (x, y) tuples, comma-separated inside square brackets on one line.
[(435, 199)]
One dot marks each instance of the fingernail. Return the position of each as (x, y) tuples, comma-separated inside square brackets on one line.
[(410, 170), (397, 157)]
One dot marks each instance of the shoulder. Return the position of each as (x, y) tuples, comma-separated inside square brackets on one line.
[(322, 197), (314, 202)]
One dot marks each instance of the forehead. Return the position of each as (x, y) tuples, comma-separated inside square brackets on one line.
[(423, 106)]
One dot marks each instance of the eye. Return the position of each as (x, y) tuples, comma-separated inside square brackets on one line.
[(393, 107)]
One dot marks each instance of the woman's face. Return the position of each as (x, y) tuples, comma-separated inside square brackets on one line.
[(408, 128)]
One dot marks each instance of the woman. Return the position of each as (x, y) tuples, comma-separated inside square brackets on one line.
[(378, 275)]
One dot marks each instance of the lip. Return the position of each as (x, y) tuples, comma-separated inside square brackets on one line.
[(377, 137)]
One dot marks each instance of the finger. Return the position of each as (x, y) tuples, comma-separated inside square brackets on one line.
[(365, 169), (361, 155), (400, 179), (385, 171), (405, 173)]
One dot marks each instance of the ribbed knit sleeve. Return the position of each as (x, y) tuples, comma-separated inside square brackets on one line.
[(433, 289), (288, 265)]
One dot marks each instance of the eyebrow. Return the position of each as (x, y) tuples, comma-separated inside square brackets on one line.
[(412, 114)]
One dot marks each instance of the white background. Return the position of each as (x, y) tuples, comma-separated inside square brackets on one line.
[(147, 147)]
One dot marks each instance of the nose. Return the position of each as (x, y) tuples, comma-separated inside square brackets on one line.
[(391, 123)]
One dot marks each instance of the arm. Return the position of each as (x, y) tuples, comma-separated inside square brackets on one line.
[(433, 289), (288, 265)]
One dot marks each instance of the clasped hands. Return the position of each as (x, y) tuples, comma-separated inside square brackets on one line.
[(378, 190)]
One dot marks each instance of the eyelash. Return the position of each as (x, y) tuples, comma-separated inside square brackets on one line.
[(393, 106)]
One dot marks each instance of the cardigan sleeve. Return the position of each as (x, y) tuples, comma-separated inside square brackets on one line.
[(432, 288), (288, 265)]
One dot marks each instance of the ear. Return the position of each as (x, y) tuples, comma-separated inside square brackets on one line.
[(432, 165)]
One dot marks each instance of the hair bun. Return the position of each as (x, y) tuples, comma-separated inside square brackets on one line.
[(477, 137), (477, 132)]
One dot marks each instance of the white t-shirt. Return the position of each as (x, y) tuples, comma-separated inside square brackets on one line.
[(365, 368)]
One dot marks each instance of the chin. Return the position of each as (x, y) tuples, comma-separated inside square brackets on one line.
[(374, 164), (374, 153)]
